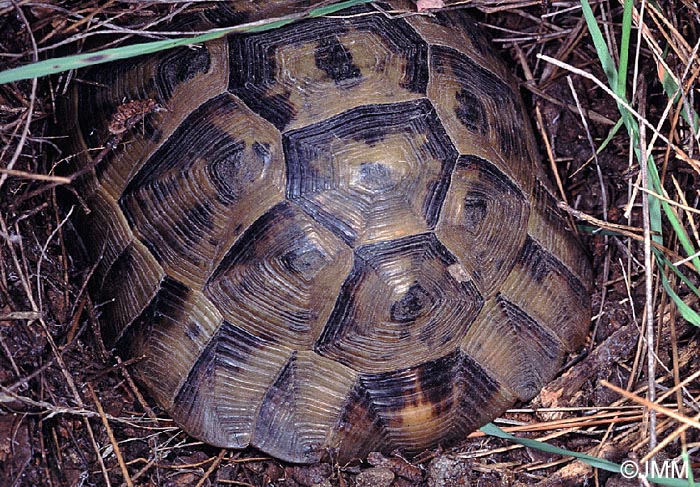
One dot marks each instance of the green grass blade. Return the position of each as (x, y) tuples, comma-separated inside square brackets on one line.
[(662, 259), (682, 235), (493, 430), (613, 132), (654, 184), (601, 463), (593, 229), (67, 63), (671, 90), (687, 463), (686, 311), (335, 7), (601, 48), (621, 87), (58, 65)]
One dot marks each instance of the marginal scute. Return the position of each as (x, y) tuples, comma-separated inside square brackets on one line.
[(170, 335), (456, 29), (110, 233), (482, 113), (400, 304), (416, 408), (376, 172), (513, 347), (547, 291), (219, 400), (124, 303), (180, 66), (303, 73), (178, 81), (301, 407), (549, 226)]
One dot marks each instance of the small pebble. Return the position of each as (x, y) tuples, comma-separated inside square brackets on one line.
[(375, 477)]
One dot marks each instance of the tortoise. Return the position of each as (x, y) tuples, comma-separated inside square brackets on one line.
[(331, 238)]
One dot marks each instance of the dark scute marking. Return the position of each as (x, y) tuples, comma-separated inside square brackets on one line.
[(229, 349), (430, 382), (536, 339), (523, 323), (475, 209), (334, 223), (335, 59), (542, 263), (478, 385), (198, 215), (168, 301), (343, 304), (281, 394), (106, 162), (470, 111), (231, 173), (504, 182), (225, 15), (435, 379), (306, 262), (539, 259), (150, 131), (375, 176), (411, 305), (114, 278), (379, 251), (196, 139), (226, 171), (275, 108), (405, 40), (243, 251), (368, 123), (360, 423), (372, 135), (253, 67), (280, 419), (165, 310), (179, 66), (481, 84)]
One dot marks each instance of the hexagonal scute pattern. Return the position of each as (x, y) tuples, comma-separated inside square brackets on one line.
[(403, 302), (304, 75), (332, 237), (373, 173)]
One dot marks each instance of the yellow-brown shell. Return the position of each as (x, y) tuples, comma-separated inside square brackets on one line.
[(333, 236)]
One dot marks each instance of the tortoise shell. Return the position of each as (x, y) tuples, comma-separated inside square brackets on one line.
[(333, 237)]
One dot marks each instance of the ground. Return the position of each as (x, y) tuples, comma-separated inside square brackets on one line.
[(71, 414)]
